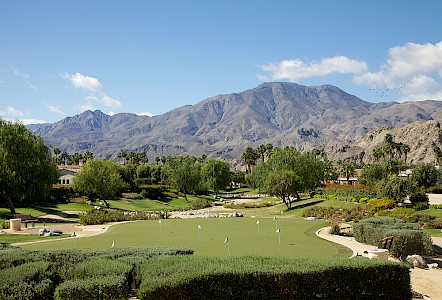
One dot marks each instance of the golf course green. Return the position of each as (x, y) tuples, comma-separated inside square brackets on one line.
[(245, 236)]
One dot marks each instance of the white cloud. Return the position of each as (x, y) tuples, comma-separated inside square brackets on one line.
[(96, 94), (145, 114), (296, 69), (109, 102), (55, 109), (83, 82), (412, 71), (11, 112)]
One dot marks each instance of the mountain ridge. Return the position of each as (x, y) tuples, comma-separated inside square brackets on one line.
[(221, 126)]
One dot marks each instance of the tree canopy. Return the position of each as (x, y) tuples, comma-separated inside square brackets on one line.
[(216, 174), (99, 178), (183, 173), (27, 168), (287, 172)]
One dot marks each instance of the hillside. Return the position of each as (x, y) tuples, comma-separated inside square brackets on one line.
[(222, 126)]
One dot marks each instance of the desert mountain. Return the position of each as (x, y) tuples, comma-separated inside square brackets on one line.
[(420, 136), (222, 126)]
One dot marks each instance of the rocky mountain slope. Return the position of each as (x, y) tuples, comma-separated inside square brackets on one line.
[(420, 136), (223, 125)]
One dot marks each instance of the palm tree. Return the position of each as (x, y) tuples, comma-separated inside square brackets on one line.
[(122, 154), (157, 160), (88, 155), (249, 157), (269, 150), (348, 169), (57, 152), (260, 151), (405, 149), (142, 158), (64, 157)]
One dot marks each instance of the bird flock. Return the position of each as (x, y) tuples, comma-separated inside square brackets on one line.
[(385, 91)]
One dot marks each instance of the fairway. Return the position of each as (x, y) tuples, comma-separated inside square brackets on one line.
[(246, 237)]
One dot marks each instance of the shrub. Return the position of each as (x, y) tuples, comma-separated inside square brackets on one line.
[(273, 278), (32, 280), (335, 229), (103, 288), (199, 203), (153, 191), (381, 204), (436, 224), (435, 190), (421, 205), (95, 217), (435, 206), (408, 238)]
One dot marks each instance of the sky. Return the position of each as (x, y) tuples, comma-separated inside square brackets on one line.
[(60, 58)]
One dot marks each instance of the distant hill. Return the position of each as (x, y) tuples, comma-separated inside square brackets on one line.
[(222, 126)]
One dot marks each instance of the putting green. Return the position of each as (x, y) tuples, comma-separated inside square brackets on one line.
[(245, 237)]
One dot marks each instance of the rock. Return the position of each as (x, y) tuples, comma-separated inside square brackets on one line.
[(433, 266), (310, 218), (417, 261), (236, 215), (53, 233), (57, 231), (41, 232)]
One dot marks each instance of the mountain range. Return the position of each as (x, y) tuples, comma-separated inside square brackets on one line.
[(222, 126)]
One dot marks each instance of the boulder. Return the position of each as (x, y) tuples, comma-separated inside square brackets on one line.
[(433, 266), (417, 261), (41, 232)]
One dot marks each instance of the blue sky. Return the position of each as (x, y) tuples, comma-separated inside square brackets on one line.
[(59, 58)]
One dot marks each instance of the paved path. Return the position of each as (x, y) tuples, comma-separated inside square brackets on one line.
[(426, 282)]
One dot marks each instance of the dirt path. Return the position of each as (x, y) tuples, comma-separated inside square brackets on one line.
[(426, 282)]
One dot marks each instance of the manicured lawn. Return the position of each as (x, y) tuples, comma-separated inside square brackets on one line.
[(433, 212), (44, 209), (20, 238), (297, 237), (434, 232)]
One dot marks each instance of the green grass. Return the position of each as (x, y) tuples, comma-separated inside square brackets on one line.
[(431, 211), (297, 237), (434, 232), (21, 238)]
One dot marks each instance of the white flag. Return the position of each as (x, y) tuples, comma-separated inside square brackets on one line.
[(226, 240), (199, 226), (257, 222), (278, 231), (159, 221), (274, 218), (113, 244)]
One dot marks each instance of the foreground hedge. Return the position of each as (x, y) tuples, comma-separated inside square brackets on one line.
[(408, 237), (273, 278), (34, 280), (75, 274)]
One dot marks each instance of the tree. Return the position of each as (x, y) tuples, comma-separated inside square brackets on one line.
[(347, 169), (88, 155), (57, 152), (183, 173), (249, 157), (216, 174), (284, 184), (27, 168), (122, 154), (99, 178), (261, 151), (372, 174), (437, 154), (395, 188), (64, 157), (426, 175), (301, 170)]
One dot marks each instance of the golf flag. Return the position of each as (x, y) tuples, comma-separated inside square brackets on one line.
[(199, 226), (159, 221), (113, 244), (226, 240), (278, 230), (257, 222)]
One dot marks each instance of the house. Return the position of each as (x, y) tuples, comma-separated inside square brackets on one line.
[(67, 174)]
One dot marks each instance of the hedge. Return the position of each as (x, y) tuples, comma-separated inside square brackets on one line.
[(273, 278), (95, 217), (94, 288), (408, 237), (34, 280)]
